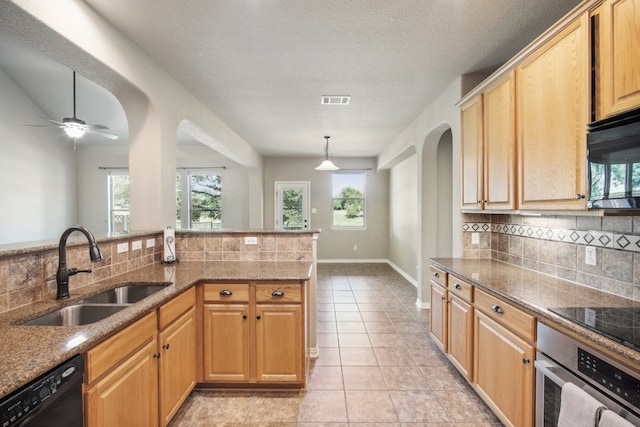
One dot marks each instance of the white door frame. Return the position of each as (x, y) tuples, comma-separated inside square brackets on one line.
[(305, 186)]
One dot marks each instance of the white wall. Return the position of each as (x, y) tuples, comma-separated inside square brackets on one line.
[(403, 206), (37, 171), (336, 245)]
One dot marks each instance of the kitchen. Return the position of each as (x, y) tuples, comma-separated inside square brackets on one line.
[(411, 158)]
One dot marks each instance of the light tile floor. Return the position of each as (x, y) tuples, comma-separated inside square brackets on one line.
[(377, 366)]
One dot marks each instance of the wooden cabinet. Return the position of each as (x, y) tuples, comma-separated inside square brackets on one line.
[(619, 72), (472, 169), (255, 333), (451, 322), (226, 333), (121, 378), (499, 140), (177, 349), (552, 114), (488, 148), (503, 359)]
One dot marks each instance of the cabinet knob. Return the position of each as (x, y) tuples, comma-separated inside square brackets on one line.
[(497, 309), (156, 355), (277, 293), (443, 298), (526, 360), (258, 317), (165, 346), (436, 274), (226, 292), (579, 196), (457, 286), (244, 316)]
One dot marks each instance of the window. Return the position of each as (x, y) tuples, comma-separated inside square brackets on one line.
[(349, 200), (118, 202), (202, 208)]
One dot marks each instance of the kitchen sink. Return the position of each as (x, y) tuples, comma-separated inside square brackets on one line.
[(128, 294), (78, 314)]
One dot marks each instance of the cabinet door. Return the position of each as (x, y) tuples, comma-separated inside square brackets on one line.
[(226, 342), (620, 69), (177, 364), (472, 173), (128, 395), (279, 343), (552, 114), (438, 320), (500, 144), (503, 371), (460, 334)]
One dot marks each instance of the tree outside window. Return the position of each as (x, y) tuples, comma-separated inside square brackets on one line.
[(349, 200)]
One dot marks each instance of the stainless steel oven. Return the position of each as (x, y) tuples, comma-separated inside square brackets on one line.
[(52, 400), (562, 359)]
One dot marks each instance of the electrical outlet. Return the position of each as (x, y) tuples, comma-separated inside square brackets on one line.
[(590, 255), (250, 240), (355, 247), (475, 238), (151, 243), (123, 247), (136, 245)]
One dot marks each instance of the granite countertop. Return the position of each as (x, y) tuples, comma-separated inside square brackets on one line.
[(29, 351), (535, 292)]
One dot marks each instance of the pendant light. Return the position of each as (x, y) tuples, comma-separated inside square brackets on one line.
[(327, 165)]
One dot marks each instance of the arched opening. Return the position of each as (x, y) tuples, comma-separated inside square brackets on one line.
[(444, 197)]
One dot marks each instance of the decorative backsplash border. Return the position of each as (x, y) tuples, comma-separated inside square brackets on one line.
[(598, 238)]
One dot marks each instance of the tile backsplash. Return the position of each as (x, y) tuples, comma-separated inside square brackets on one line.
[(555, 245), (29, 275)]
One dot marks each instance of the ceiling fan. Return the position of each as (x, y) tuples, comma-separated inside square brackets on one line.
[(76, 128)]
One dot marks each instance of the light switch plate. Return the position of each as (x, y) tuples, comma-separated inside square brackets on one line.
[(151, 243), (123, 247), (136, 245), (250, 240), (475, 238)]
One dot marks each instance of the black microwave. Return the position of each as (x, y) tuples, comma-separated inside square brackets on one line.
[(613, 154)]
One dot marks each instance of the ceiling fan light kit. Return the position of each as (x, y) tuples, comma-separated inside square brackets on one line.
[(327, 165)]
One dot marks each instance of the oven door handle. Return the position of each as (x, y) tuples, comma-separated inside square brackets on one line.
[(556, 373)]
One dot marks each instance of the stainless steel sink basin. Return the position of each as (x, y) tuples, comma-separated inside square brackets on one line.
[(129, 294), (78, 314)]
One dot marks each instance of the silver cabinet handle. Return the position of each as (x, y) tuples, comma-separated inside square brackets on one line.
[(226, 292), (277, 294), (436, 274), (497, 309), (457, 286)]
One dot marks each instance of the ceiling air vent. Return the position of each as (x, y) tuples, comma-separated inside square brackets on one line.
[(335, 99)]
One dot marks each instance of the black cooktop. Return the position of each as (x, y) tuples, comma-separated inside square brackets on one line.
[(621, 324)]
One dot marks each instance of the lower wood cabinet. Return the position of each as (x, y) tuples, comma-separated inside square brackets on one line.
[(121, 378), (177, 353), (504, 371), (254, 334), (141, 375)]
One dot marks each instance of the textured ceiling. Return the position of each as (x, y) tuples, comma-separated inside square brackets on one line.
[(262, 65)]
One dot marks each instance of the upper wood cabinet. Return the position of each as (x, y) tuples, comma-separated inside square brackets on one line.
[(472, 170), (552, 115), (488, 148), (499, 152), (619, 72)]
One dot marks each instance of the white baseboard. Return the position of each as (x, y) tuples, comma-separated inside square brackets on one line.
[(403, 274), (314, 352), (423, 305), (352, 261)]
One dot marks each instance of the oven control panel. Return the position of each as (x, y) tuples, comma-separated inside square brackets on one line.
[(613, 379), (18, 405)]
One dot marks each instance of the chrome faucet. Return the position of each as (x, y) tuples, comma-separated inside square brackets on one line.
[(62, 276)]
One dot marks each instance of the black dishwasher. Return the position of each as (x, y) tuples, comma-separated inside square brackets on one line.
[(52, 400)]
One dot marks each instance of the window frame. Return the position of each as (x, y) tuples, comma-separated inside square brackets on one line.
[(110, 202), (363, 201), (185, 181)]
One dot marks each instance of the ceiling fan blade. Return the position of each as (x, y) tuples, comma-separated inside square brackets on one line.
[(42, 126), (103, 134), (96, 127)]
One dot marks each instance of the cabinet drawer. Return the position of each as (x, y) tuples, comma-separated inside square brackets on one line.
[(513, 318), (103, 357), (173, 309), (438, 276), (277, 292), (461, 288), (226, 292)]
